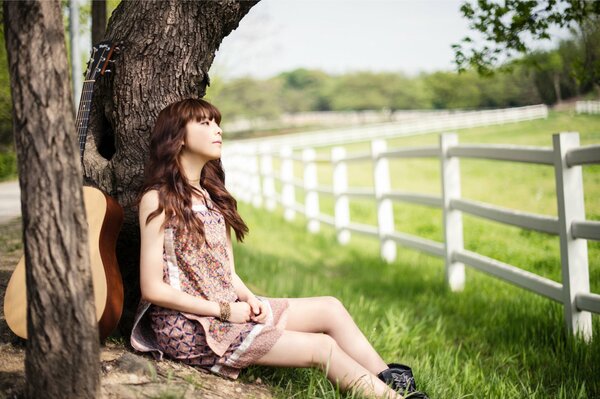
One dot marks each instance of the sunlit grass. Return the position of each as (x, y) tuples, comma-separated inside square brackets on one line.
[(518, 186), (492, 339)]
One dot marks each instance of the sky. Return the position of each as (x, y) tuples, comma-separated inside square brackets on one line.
[(339, 36)]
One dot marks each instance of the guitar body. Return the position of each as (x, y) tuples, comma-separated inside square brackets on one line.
[(104, 217)]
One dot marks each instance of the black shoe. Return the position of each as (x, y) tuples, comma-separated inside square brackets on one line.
[(400, 377), (416, 395)]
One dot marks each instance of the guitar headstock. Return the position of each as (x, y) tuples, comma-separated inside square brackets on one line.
[(101, 56)]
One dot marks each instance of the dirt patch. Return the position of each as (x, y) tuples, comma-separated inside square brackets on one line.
[(124, 374)]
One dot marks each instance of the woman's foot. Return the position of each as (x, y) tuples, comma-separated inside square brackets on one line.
[(416, 395), (401, 379)]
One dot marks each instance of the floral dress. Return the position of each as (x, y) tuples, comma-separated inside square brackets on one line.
[(222, 347)]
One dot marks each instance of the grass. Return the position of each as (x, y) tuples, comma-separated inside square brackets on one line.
[(8, 164), (492, 339), (524, 187)]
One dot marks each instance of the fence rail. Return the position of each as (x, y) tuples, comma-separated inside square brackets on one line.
[(587, 107), (422, 125), (256, 185)]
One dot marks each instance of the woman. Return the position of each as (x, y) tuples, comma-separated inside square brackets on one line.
[(195, 308)]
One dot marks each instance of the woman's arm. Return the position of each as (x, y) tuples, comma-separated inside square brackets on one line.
[(153, 288), (258, 309), (241, 290)]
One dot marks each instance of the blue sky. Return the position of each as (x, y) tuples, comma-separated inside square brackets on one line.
[(338, 36)]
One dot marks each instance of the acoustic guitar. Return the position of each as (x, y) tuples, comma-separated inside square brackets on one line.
[(104, 218)]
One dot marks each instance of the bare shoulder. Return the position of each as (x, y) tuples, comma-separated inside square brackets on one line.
[(149, 200), (148, 204)]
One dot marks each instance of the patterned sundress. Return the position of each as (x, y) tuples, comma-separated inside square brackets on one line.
[(222, 347)]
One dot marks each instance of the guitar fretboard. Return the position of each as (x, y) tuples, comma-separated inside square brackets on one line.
[(83, 114), (96, 66)]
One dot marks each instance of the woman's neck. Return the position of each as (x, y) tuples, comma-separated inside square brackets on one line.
[(192, 168)]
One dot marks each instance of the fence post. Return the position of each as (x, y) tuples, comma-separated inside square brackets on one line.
[(385, 209), (255, 177), (311, 197), (340, 185), (236, 182), (266, 167), (229, 167), (288, 192), (246, 175), (573, 251), (453, 226)]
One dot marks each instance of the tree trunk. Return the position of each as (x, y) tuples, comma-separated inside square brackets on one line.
[(98, 20), (167, 48), (556, 83), (62, 355)]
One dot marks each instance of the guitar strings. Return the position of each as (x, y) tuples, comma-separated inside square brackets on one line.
[(85, 100)]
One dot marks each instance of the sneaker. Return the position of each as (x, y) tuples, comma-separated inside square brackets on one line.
[(416, 395), (400, 377)]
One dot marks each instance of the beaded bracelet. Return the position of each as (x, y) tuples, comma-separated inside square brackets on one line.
[(225, 311)]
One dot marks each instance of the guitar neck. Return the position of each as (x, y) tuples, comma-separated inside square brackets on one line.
[(83, 114)]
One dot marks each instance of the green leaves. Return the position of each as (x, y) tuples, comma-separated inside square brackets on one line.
[(505, 27)]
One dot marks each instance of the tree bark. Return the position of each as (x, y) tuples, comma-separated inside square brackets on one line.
[(166, 49), (62, 355), (98, 20), (556, 83)]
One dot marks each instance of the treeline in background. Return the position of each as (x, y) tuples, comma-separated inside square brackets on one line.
[(552, 76)]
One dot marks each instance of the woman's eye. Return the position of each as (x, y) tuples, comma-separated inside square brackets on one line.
[(205, 122)]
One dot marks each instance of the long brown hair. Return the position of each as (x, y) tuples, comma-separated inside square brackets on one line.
[(164, 173)]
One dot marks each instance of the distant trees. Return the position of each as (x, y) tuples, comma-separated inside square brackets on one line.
[(6, 137), (304, 90), (371, 90), (506, 25), (247, 97), (550, 76), (571, 69)]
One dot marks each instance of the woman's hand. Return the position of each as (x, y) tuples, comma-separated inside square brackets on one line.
[(258, 310), (240, 312)]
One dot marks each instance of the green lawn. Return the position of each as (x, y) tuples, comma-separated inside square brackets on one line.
[(524, 187), (491, 340)]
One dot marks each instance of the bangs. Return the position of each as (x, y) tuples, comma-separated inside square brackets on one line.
[(198, 109)]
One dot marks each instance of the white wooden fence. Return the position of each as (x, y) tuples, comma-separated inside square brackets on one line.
[(250, 177), (355, 118), (420, 125), (587, 107)]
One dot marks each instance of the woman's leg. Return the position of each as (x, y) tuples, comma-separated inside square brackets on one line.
[(328, 315), (301, 349)]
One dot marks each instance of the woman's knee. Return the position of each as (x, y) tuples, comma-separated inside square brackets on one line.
[(335, 309), (334, 303), (300, 349), (323, 348)]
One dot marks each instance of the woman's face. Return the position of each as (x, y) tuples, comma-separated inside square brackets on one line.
[(203, 138)]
